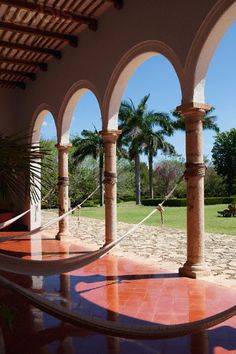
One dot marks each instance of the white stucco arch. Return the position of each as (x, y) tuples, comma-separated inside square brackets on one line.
[(209, 35), (71, 99), (37, 121), (135, 57)]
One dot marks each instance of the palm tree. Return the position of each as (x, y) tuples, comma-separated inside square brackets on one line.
[(90, 144), (139, 135), (20, 166), (154, 140), (209, 121)]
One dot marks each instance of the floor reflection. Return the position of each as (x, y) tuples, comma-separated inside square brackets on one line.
[(118, 290)]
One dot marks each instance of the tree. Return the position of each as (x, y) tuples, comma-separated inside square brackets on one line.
[(154, 140), (20, 165), (168, 173), (224, 158), (90, 144), (214, 185), (49, 173), (83, 178), (139, 134)]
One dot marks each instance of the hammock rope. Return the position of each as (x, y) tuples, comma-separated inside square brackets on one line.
[(50, 222), (50, 267), (12, 220), (19, 216), (160, 207)]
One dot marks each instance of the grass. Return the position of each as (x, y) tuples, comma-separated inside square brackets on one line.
[(173, 217)]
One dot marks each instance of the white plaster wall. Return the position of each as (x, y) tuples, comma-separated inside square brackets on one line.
[(8, 109)]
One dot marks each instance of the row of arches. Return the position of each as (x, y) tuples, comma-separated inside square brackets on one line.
[(191, 79), (191, 73)]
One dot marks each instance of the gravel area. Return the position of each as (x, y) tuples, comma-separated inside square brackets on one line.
[(163, 247)]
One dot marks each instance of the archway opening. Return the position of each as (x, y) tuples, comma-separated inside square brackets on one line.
[(220, 149), (151, 75), (81, 125)]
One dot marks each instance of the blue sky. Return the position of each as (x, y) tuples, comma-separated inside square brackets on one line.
[(157, 77)]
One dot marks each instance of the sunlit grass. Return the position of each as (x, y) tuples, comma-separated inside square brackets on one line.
[(174, 217)]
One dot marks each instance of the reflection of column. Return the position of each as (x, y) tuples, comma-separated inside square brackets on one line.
[(63, 183), (37, 284), (113, 343), (195, 172), (197, 311), (110, 180), (66, 345)]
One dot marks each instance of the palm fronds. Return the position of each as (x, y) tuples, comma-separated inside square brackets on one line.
[(20, 166)]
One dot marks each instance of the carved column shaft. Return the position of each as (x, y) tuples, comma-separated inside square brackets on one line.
[(195, 171), (63, 189), (110, 182)]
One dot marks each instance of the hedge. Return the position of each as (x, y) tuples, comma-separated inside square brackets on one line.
[(174, 202), (127, 198)]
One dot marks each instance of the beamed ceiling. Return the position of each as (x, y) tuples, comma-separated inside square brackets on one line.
[(34, 31)]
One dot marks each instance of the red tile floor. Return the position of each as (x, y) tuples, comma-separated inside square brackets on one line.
[(117, 289)]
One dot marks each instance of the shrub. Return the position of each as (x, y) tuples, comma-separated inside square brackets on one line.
[(218, 200), (178, 202), (173, 202), (127, 198)]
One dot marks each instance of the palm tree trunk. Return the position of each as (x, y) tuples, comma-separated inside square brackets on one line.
[(137, 179), (150, 168), (101, 191)]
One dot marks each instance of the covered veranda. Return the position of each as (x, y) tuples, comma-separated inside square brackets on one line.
[(45, 67)]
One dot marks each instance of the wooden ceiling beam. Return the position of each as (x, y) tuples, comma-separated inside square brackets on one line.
[(28, 75), (18, 84), (73, 40), (41, 66), (28, 48), (54, 12), (117, 3)]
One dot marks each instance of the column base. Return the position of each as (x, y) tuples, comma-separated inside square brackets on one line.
[(63, 235), (195, 271)]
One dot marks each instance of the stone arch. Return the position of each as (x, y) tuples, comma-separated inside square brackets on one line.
[(37, 121), (213, 28), (67, 108), (135, 57)]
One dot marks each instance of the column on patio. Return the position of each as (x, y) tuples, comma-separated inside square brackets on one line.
[(195, 265), (110, 182), (63, 189)]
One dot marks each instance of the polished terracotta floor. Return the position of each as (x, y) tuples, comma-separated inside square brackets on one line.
[(117, 289)]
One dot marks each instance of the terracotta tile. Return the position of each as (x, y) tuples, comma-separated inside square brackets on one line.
[(119, 290)]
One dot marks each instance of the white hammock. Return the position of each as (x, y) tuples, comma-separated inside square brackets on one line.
[(39, 267), (118, 329), (49, 223)]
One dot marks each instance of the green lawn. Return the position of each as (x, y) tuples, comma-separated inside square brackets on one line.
[(173, 217)]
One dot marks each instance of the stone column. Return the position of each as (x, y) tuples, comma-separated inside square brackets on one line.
[(195, 265), (63, 186), (110, 181)]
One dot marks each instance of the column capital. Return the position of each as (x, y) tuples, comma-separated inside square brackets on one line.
[(62, 146), (193, 108), (110, 136)]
